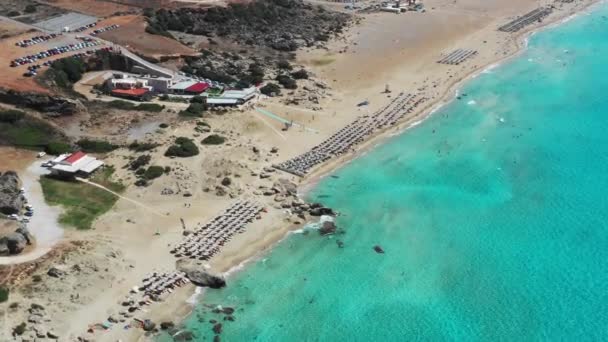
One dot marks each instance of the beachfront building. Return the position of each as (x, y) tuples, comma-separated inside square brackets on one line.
[(189, 87), (74, 164)]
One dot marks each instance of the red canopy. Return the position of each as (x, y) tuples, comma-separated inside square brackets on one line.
[(74, 157), (197, 87), (130, 92)]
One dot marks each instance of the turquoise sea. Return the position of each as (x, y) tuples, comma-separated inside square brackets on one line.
[(493, 214)]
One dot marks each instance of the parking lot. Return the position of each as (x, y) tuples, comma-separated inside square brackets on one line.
[(14, 77), (70, 20)]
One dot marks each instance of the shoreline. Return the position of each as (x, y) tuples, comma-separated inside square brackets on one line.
[(519, 43)]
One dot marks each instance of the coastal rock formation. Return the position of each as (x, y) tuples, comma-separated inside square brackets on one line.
[(50, 104), (327, 228), (11, 198), (205, 279), (317, 209), (16, 242)]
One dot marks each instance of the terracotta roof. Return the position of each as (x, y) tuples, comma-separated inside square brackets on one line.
[(130, 92), (74, 157), (197, 87)]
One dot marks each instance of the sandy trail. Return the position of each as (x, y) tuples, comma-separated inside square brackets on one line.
[(44, 224)]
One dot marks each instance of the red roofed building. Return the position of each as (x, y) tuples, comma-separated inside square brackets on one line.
[(74, 157), (133, 93), (75, 164), (197, 88)]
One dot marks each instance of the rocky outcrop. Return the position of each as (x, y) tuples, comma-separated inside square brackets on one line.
[(11, 198), (51, 104), (378, 249), (197, 274), (327, 228), (205, 279), (317, 209), (16, 242)]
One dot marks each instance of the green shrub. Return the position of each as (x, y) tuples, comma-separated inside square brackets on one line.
[(19, 329), (139, 162), (30, 8), (300, 74), (142, 147), (120, 104), (284, 65), (3, 294), (183, 147), (287, 82), (271, 89), (198, 99), (150, 107), (141, 182), (56, 148), (66, 71), (14, 14), (154, 172), (11, 115), (96, 146), (167, 169), (213, 139), (163, 125), (194, 110)]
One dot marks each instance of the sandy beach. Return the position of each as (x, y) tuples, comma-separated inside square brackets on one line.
[(385, 50)]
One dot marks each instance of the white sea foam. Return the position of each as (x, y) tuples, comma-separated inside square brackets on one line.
[(472, 103)]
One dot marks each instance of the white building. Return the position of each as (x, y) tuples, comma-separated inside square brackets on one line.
[(77, 163)]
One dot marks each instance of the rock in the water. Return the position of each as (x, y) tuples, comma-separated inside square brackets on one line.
[(216, 338), (11, 198), (204, 278), (378, 249), (217, 328), (228, 310), (340, 243), (320, 211), (327, 228), (183, 335)]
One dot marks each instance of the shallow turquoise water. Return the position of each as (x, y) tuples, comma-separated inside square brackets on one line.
[(492, 214)]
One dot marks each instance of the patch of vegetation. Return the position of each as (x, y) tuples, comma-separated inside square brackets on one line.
[(194, 110), (287, 82), (213, 139), (19, 129), (140, 162), (30, 8), (4, 294), (284, 64), (163, 125), (56, 148), (198, 99), (11, 116), (300, 74), (142, 146), (83, 202), (271, 89), (19, 329), (153, 172), (167, 98), (96, 146), (144, 107), (183, 147), (13, 14), (65, 72)]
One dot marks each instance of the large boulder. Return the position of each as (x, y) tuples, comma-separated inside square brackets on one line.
[(320, 211), (286, 187), (327, 228), (203, 278), (13, 243), (11, 198)]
